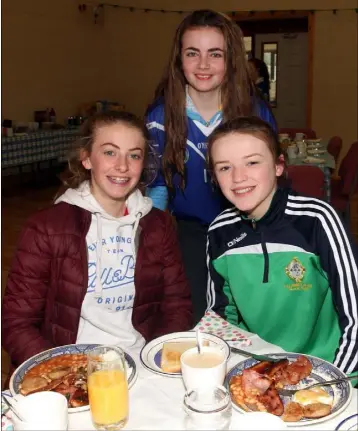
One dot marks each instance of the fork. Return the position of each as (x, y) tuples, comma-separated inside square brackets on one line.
[(289, 392), (254, 356)]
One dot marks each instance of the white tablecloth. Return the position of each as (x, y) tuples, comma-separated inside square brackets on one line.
[(156, 401)]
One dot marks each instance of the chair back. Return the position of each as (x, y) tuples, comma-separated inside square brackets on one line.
[(334, 147), (310, 134), (306, 180), (348, 171)]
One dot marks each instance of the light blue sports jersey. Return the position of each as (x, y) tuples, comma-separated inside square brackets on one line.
[(200, 200)]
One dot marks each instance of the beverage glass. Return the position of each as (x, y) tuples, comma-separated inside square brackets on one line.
[(107, 387), (207, 408)]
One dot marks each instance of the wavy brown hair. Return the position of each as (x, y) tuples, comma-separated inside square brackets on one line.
[(75, 173), (236, 89)]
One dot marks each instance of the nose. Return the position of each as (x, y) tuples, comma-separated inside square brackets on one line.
[(122, 163), (239, 175), (204, 62)]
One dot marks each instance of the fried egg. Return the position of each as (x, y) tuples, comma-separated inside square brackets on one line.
[(311, 396)]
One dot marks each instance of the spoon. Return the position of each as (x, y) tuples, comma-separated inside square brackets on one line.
[(12, 408), (198, 341)]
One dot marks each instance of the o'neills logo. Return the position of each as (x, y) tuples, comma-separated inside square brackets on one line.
[(237, 239)]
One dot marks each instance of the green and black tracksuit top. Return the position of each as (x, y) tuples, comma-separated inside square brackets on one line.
[(290, 277)]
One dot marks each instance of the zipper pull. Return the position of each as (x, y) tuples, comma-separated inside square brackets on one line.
[(253, 221)]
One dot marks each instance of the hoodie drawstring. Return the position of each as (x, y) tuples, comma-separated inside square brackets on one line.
[(98, 288), (134, 233)]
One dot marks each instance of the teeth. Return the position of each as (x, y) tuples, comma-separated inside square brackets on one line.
[(239, 192), (119, 180), (203, 76)]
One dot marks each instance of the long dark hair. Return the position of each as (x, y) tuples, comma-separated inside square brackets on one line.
[(236, 90)]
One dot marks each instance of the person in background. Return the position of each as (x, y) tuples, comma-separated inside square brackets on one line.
[(100, 265), (281, 265), (206, 81), (260, 76)]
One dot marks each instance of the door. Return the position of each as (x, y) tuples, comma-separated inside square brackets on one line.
[(291, 76)]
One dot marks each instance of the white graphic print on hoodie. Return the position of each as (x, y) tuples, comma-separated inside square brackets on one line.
[(106, 313)]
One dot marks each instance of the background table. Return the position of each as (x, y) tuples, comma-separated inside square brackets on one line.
[(36, 147), (327, 166)]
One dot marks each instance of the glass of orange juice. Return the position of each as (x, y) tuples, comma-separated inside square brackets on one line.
[(107, 387)]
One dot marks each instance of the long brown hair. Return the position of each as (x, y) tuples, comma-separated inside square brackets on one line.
[(75, 173), (236, 89)]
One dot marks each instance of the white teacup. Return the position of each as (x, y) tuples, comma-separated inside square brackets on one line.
[(292, 151), (257, 421), (300, 136), (41, 411), (205, 369)]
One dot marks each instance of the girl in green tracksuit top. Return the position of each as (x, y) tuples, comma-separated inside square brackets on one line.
[(280, 265)]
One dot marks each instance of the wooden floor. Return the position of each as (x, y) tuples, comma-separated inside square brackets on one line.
[(19, 205)]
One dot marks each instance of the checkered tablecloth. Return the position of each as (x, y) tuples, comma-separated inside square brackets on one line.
[(36, 147)]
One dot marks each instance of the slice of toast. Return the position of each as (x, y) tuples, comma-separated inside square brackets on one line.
[(171, 353)]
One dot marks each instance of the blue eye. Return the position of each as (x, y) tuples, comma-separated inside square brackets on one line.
[(135, 156), (109, 153)]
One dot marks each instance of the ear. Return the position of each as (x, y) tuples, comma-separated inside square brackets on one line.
[(85, 160), (280, 165)]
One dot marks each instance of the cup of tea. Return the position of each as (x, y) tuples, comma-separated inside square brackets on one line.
[(292, 151), (300, 136), (203, 369), (41, 411)]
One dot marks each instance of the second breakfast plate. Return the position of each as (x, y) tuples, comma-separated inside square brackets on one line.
[(151, 354), (20, 372), (321, 371)]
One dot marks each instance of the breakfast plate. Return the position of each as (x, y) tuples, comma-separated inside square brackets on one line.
[(312, 141), (315, 151), (321, 371), (314, 160), (348, 424), (151, 353), (70, 349)]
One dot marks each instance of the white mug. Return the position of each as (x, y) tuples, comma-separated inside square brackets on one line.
[(257, 421), (300, 136), (292, 151), (283, 136), (206, 375), (301, 148), (41, 411)]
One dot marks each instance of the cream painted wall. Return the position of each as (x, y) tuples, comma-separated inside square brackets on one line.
[(55, 56)]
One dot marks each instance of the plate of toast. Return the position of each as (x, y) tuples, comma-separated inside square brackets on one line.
[(162, 355)]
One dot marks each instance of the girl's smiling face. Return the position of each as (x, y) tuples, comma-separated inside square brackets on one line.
[(116, 163), (246, 172), (203, 58)]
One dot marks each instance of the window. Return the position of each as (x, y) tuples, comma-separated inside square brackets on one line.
[(269, 55), (248, 45)]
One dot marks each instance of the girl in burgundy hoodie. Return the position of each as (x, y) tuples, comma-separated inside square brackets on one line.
[(100, 265)]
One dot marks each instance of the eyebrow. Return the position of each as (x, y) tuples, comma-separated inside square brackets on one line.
[(116, 146), (252, 155), (198, 50), (245, 157)]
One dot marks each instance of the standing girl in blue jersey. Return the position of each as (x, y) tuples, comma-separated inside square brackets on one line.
[(281, 265), (206, 80)]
